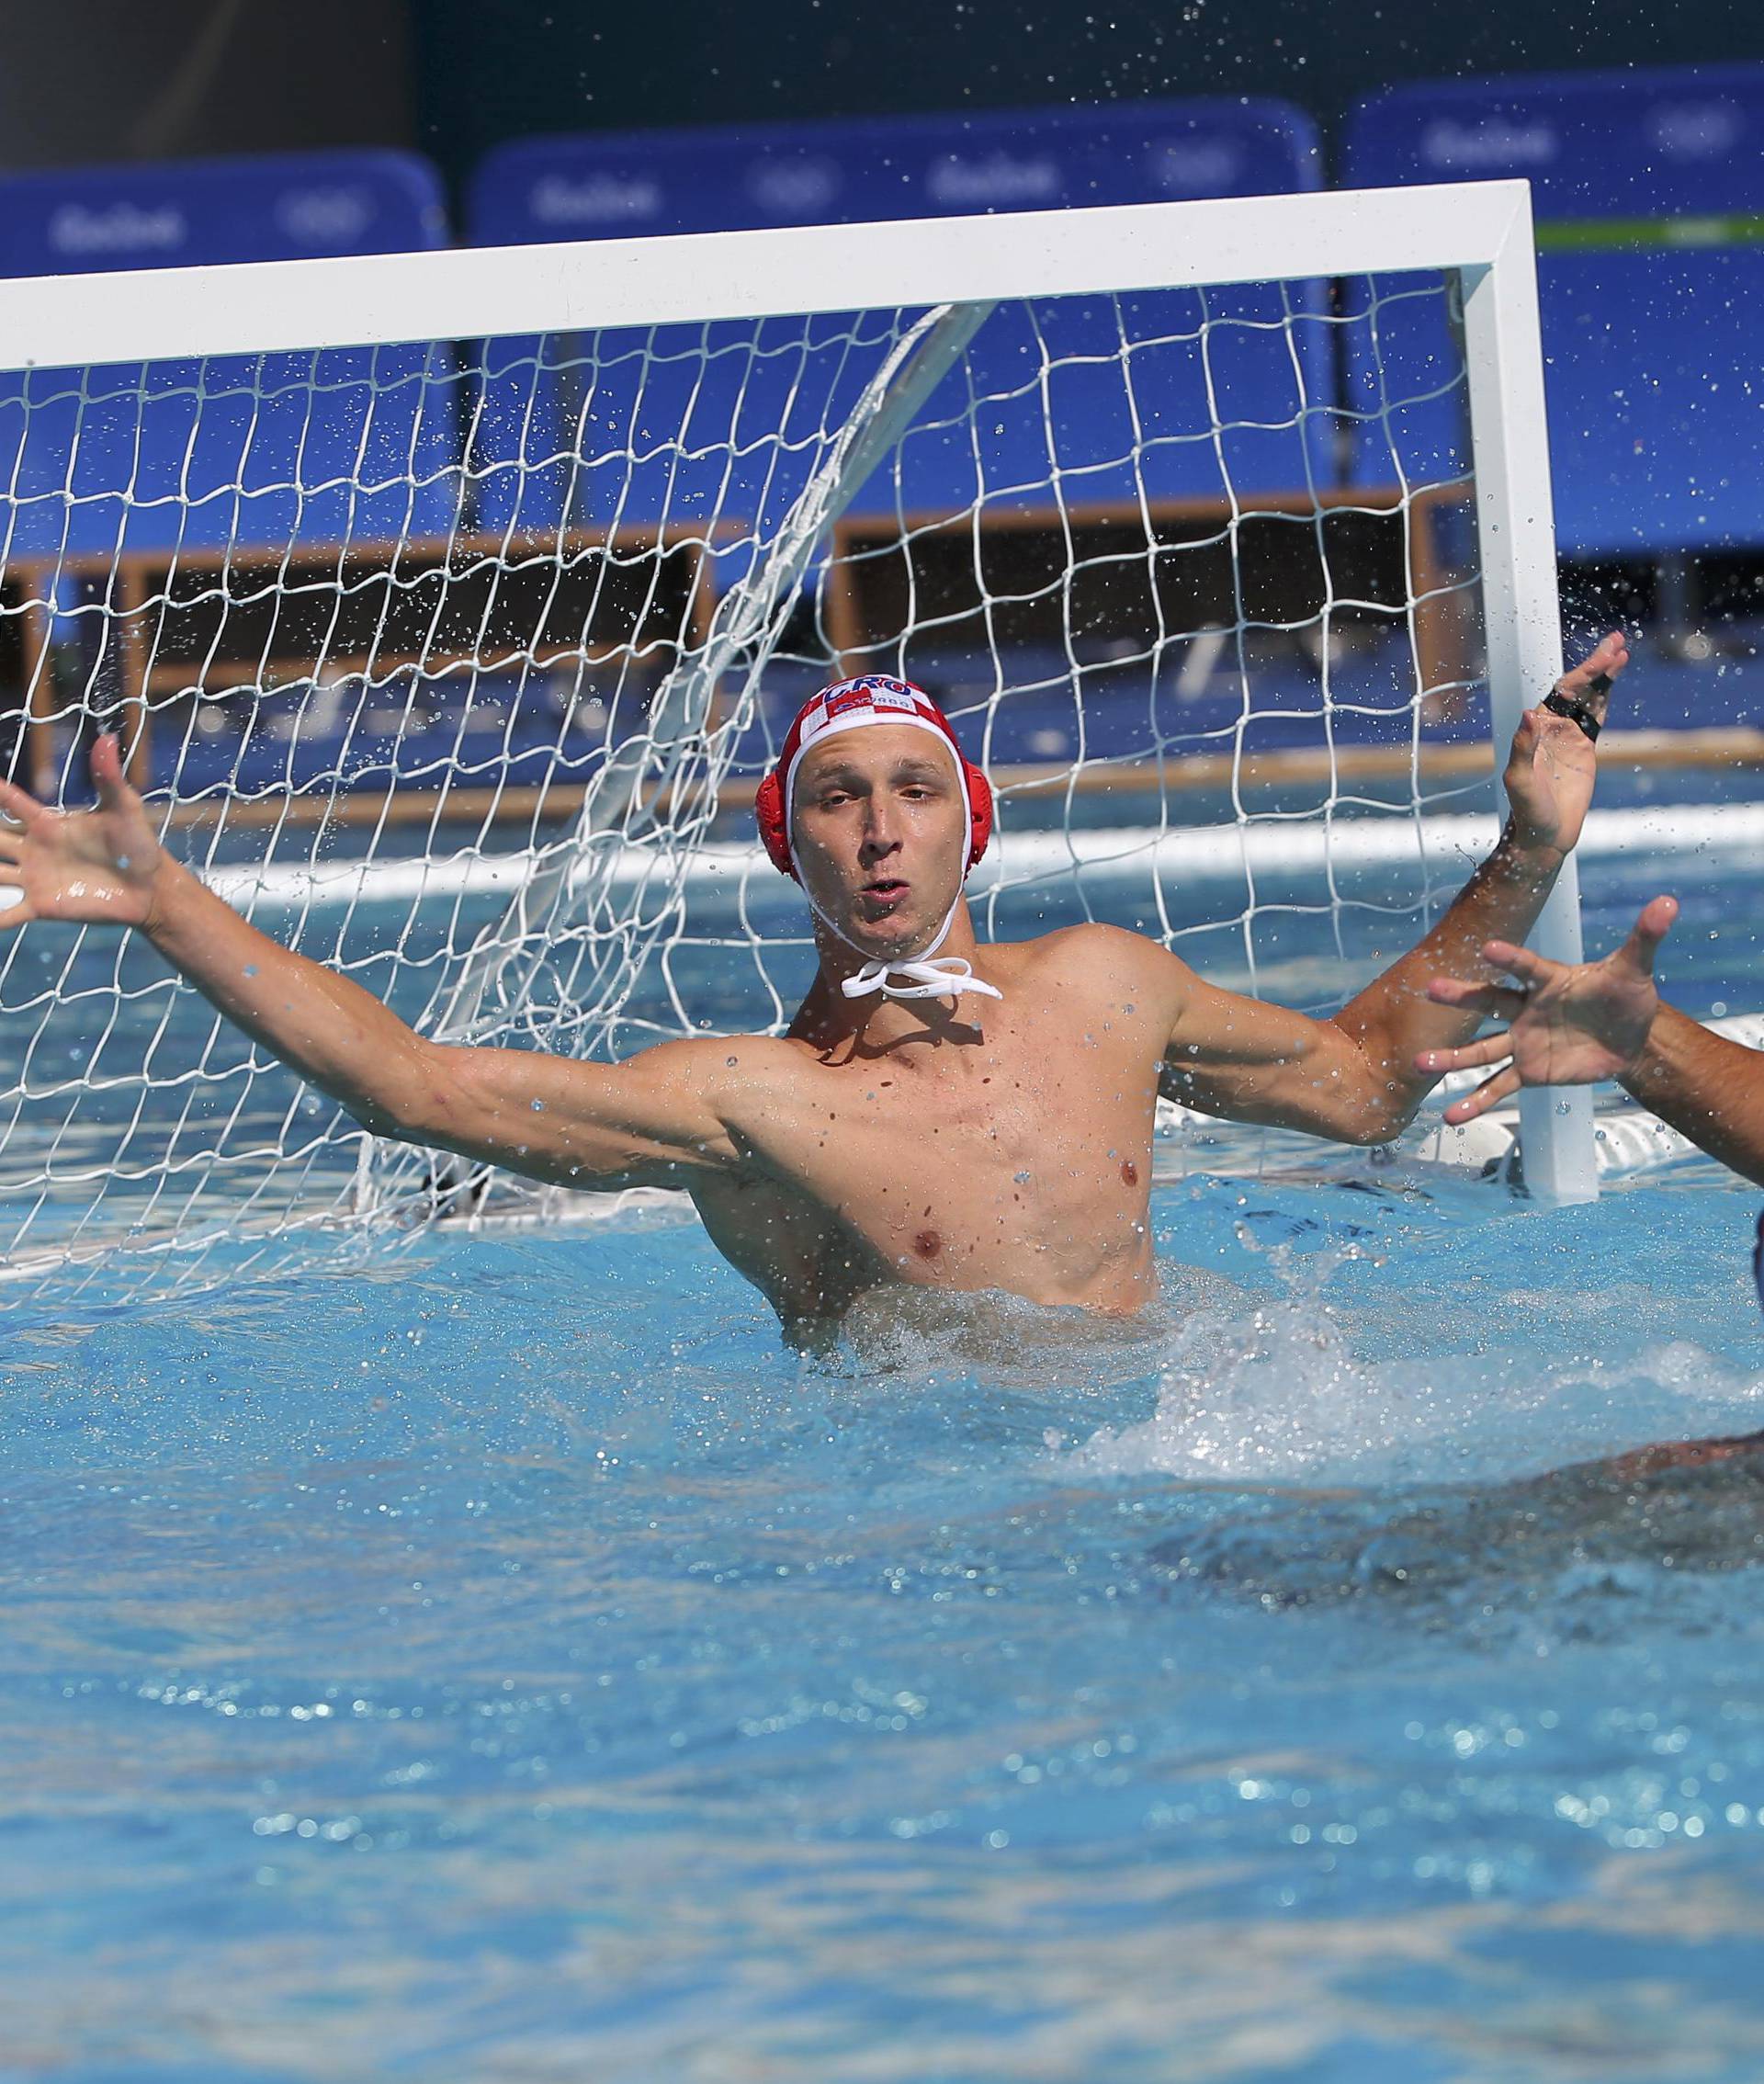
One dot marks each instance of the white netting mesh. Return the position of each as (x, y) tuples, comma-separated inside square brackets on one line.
[(456, 664)]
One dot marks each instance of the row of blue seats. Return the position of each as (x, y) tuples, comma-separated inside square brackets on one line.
[(517, 730), (1654, 427)]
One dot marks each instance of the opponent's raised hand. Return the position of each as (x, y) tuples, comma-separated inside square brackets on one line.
[(1553, 765), (93, 864), (1570, 1023)]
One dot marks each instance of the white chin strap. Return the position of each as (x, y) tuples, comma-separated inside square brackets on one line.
[(946, 977)]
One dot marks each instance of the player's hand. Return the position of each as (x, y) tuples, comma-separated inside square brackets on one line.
[(1553, 765), (1570, 1023), (84, 865)]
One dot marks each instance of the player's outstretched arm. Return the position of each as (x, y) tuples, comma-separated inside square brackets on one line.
[(1549, 782), (1355, 1077), (549, 1117), (1577, 1024)]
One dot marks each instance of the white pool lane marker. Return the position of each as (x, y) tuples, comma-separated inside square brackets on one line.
[(1193, 853)]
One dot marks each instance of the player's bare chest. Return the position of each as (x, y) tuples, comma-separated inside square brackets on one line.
[(994, 1098), (985, 1167)]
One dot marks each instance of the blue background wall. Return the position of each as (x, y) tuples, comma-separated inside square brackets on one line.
[(487, 73), (105, 80)]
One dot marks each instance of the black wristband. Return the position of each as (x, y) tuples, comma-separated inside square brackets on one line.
[(1560, 705)]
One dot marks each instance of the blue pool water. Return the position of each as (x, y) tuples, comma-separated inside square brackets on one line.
[(495, 1658), (501, 1660)]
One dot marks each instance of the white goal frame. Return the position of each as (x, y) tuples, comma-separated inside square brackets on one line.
[(1480, 231)]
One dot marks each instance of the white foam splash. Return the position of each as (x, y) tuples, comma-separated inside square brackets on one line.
[(1280, 1388)]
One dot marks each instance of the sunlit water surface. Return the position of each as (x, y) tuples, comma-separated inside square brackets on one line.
[(501, 1660), (497, 1659)]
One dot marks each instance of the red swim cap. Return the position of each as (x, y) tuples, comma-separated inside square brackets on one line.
[(873, 700)]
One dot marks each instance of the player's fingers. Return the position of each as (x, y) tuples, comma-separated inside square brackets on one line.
[(1493, 1001), (1523, 962), (11, 844), (1469, 1056), (1489, 1094), (14, 915), (1649, 930), (107, 770), (1596, 661), (1590, 682), (19, 803), (1455, 991)]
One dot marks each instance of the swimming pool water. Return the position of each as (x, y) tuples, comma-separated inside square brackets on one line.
[(494, 1657), (500, 1659)]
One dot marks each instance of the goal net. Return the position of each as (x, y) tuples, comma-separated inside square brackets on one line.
[(453, 660)]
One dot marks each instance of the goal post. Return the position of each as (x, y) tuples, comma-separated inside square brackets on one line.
[(451, 603), (1521, 620)]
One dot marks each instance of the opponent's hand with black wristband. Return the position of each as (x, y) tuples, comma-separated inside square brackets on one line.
[(1550, 775)]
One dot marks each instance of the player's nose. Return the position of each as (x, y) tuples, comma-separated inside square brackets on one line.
[(880, 836)]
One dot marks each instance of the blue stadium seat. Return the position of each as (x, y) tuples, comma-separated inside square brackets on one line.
[(1648, 290), (729, 390), (233, 450)]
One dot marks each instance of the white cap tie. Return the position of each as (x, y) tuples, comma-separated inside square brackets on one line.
[(942, 977), (946, 977)]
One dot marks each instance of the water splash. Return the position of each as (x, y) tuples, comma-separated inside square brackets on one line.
[(1299, 1383)]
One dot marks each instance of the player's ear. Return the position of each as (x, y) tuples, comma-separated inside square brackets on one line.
[(775, 836), (979, 808)]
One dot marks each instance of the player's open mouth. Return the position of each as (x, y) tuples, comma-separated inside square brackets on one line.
[(885, 893)]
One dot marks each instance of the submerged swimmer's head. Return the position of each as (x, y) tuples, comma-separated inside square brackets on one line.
[(875, 812)]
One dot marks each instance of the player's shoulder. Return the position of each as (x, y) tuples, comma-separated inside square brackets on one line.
[(1102, 964), (709, 1062), (1093, 949)]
